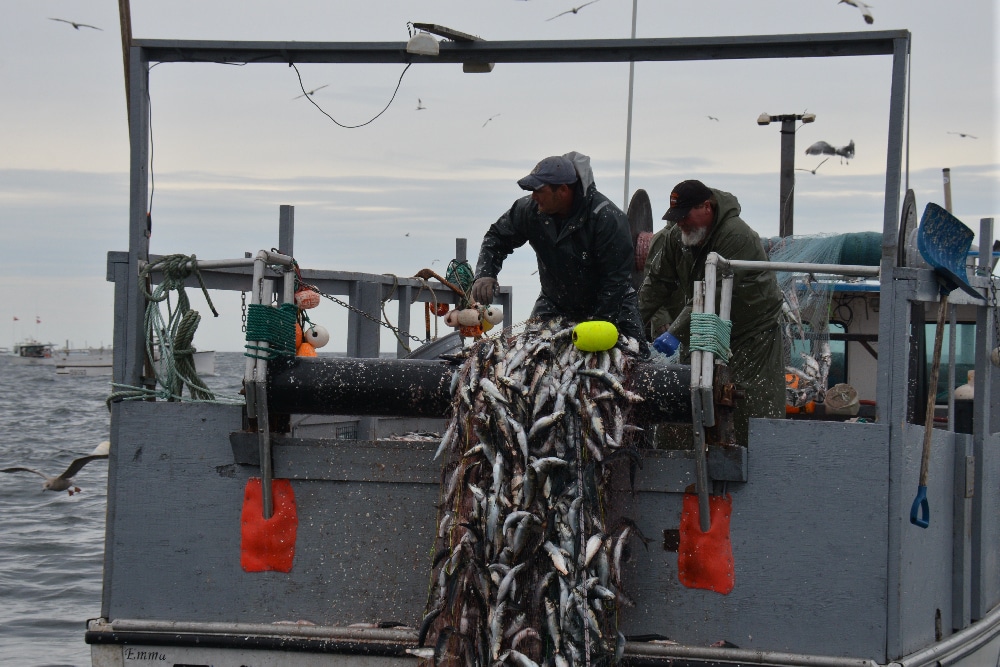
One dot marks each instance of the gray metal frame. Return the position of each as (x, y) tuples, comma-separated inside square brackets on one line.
[(128, 330)]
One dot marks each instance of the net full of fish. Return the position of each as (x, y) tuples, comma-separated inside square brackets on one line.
[(527, 571)]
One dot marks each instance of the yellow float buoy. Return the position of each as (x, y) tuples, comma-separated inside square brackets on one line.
[(595, 336)]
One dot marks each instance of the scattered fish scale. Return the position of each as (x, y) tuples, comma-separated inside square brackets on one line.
[(528, 574)]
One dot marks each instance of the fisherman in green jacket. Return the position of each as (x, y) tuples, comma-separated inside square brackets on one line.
[(707, 220)]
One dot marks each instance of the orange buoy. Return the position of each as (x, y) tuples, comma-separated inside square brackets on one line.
[(306, 298), (474, 331), (305, 350)]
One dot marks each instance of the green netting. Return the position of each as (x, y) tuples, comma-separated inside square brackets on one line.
[(274, 326), (460, 273)]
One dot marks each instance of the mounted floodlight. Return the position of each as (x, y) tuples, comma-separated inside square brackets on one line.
[(763, 119), (423, 44), (470, 66), (808, 117)]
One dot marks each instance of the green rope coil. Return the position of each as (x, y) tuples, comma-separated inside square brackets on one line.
[(461, 274), (710, 333), (274, 326), (168, 341)]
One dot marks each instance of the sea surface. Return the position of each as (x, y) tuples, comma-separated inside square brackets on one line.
[(52, 544)]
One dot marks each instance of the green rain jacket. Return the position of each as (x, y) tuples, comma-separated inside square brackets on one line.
[(757, 356), (670, 278)]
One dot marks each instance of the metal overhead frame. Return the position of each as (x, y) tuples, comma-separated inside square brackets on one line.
[(895, 43)]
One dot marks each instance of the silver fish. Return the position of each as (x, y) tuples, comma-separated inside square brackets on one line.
[(558, 560)]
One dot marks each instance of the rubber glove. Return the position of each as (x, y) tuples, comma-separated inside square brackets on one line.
[(666, 343), (483, 289)]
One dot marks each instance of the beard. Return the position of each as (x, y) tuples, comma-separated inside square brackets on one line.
[(695, 237)]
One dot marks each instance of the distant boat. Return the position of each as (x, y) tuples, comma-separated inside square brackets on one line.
[(100, 361), (33, 353)]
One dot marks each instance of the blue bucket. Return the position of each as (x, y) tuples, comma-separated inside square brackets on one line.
[(944, 242)]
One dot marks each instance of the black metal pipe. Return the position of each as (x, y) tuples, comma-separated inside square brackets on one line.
[(422, 388)]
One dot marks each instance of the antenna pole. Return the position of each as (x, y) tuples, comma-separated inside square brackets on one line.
[(628, 128)]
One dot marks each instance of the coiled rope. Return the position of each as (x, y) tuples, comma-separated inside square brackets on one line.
[(168, 343), (710, 333), (460, 273)]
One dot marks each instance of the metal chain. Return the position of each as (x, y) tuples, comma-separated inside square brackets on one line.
[(243, 297), (995, 307), (369, 317)]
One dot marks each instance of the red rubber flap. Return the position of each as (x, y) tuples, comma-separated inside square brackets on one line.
[(268, 544), (705, 560)]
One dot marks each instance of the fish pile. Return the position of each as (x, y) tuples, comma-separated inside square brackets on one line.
[(527, 571)]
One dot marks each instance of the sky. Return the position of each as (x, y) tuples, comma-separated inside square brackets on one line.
[(231, 144)]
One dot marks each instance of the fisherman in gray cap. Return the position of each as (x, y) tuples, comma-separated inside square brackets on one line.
[(582, 243)]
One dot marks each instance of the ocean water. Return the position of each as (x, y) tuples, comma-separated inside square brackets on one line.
[(52, 544)]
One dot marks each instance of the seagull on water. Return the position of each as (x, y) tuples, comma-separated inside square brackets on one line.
[(813, 170), (573, 10), (864, 8), (964, 135), (310, 92), (63, 482), (76, 25)]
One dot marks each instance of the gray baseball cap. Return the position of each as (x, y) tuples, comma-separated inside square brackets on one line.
[(555, 170)]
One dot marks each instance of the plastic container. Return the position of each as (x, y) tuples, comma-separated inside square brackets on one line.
[(842, 399)]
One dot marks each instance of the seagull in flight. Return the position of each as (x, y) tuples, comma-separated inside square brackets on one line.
[(310, 92), (964, 135), (76, 25), (573, 10), (420, 105), (813, 170), (823, 148), (489, 119), (866, 9), (713, 118), (64, 481)]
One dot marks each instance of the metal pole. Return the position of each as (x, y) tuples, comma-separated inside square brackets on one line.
[(787, 177), (628, 127), (946, 174)]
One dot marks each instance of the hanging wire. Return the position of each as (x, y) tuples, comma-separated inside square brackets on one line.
[(338, 123)]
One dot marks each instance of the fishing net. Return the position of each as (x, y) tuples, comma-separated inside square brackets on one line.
[(530, 547), (806, 312)]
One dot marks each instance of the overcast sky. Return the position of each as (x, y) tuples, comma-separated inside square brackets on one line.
[(231, 144)]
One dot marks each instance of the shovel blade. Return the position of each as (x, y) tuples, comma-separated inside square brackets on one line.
[(944, 242)]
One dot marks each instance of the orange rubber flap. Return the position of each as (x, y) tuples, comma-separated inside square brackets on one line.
[(268, 544), (705, 560)]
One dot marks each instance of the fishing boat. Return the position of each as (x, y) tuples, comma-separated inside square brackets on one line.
[(835, 563), (33, 353), (99, 362)]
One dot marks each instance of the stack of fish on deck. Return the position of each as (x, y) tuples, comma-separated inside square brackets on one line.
[(527, 572)]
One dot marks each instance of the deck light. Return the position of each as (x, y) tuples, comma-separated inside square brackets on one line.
[(423, 44)]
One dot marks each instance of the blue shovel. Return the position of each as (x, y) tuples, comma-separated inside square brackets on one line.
[(943, 242)]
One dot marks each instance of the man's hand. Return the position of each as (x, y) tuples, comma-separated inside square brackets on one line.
[(483, 289)]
